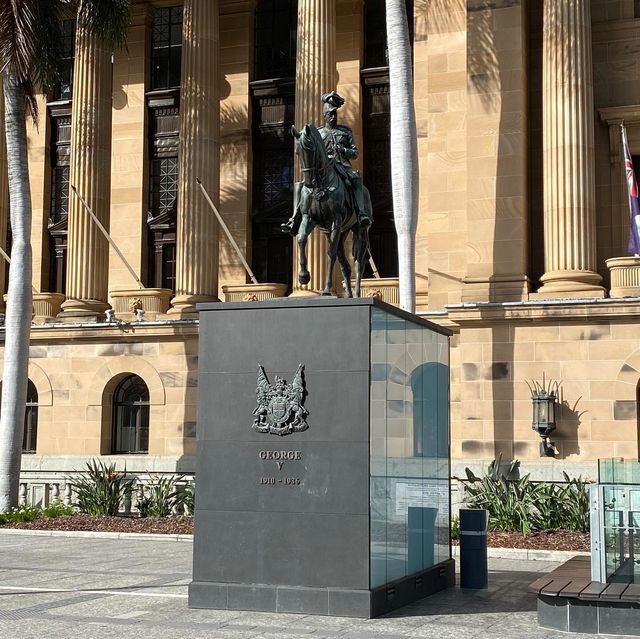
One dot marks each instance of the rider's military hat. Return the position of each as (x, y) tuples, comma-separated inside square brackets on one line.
[(332, 101)]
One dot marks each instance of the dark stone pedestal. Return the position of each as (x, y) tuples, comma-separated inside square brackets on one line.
[(286, 523)]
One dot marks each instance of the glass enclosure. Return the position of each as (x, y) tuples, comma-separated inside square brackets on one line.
[(410, 507), (617, 533)]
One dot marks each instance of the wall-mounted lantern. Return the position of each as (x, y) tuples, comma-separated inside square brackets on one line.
[(544, 396)]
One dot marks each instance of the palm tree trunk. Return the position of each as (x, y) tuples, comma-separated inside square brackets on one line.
[(19, 298), (404, 149)]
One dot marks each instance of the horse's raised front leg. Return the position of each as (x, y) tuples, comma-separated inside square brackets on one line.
[(345, 267), (306, 226), (332, 253)]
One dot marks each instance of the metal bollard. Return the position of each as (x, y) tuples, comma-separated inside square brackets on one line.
[(474, 570)]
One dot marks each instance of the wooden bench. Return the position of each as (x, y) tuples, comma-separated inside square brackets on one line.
[(573, 580), (570, 601)]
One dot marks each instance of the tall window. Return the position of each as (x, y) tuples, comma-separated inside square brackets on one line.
[(64, 87), (130, 432), (166, 48), (59, 110), (30, 435), (273, 94), (376, 135), (163, 102), (276, 36)]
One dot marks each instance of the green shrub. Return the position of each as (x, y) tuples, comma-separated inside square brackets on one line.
[(58, 509), (20, 514), (455, 527), (100, 489), (523, 505), (190, 498), (162, 497), (509, 502)]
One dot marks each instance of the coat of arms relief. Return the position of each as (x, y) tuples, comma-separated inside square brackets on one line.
[(280, 409)]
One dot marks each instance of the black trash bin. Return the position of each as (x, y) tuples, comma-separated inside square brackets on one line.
[(474, 571)]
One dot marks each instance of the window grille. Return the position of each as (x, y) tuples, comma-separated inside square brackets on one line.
[(130, 432), (166, 48), (64, 87)]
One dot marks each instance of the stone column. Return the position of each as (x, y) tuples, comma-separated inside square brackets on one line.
[(569, 150), (197, 230), (90, 173), (315, 75)]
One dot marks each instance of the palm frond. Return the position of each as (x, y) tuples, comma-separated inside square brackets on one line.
[(48, 43), (30, 44), (108, 19)]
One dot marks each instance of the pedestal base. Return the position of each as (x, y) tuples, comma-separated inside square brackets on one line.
[(315, 493)]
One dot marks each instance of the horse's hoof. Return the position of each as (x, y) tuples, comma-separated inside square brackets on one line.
[(327, 293), (304, 277)]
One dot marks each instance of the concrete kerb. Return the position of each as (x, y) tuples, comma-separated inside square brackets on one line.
[(97, 535), (525, 554), (493, 553)]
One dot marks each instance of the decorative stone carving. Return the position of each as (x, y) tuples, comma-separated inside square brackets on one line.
[(625, 276), (253, 292), (280, 409), (386, 289), (153, 301)]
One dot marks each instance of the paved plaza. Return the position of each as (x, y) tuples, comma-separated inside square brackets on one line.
[(61, 587)]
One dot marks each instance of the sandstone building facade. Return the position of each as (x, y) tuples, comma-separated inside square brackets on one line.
[(522, 202)]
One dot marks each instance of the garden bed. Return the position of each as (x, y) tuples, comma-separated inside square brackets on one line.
[(543, 540), (157, 525)]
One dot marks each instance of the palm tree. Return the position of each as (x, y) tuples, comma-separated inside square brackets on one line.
[(404, 148), (30, 42)]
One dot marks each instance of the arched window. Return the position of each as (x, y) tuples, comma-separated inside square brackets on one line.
[(30, 435), (130, 433)]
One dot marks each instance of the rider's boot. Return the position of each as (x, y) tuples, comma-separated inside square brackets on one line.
[(290, 225), (363, 217)]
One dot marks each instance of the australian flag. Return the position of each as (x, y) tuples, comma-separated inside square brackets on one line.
[(634, 203)]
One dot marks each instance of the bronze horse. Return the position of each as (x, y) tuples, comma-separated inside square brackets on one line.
[(325, 202)]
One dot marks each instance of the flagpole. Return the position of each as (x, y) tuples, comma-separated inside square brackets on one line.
[(106, 234)]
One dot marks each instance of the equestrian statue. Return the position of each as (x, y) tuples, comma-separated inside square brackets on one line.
[(331, 196)]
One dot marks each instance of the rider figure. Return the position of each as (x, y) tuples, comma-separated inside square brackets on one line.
[(341, 148)]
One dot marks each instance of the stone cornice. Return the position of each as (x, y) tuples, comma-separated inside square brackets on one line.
[(595, 309), (116, 332)]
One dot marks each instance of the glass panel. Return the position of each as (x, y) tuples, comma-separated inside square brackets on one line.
[(409, 448)]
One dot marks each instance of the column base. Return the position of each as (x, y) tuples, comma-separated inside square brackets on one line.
[(184, 306), (74, 310), (569, 285)]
